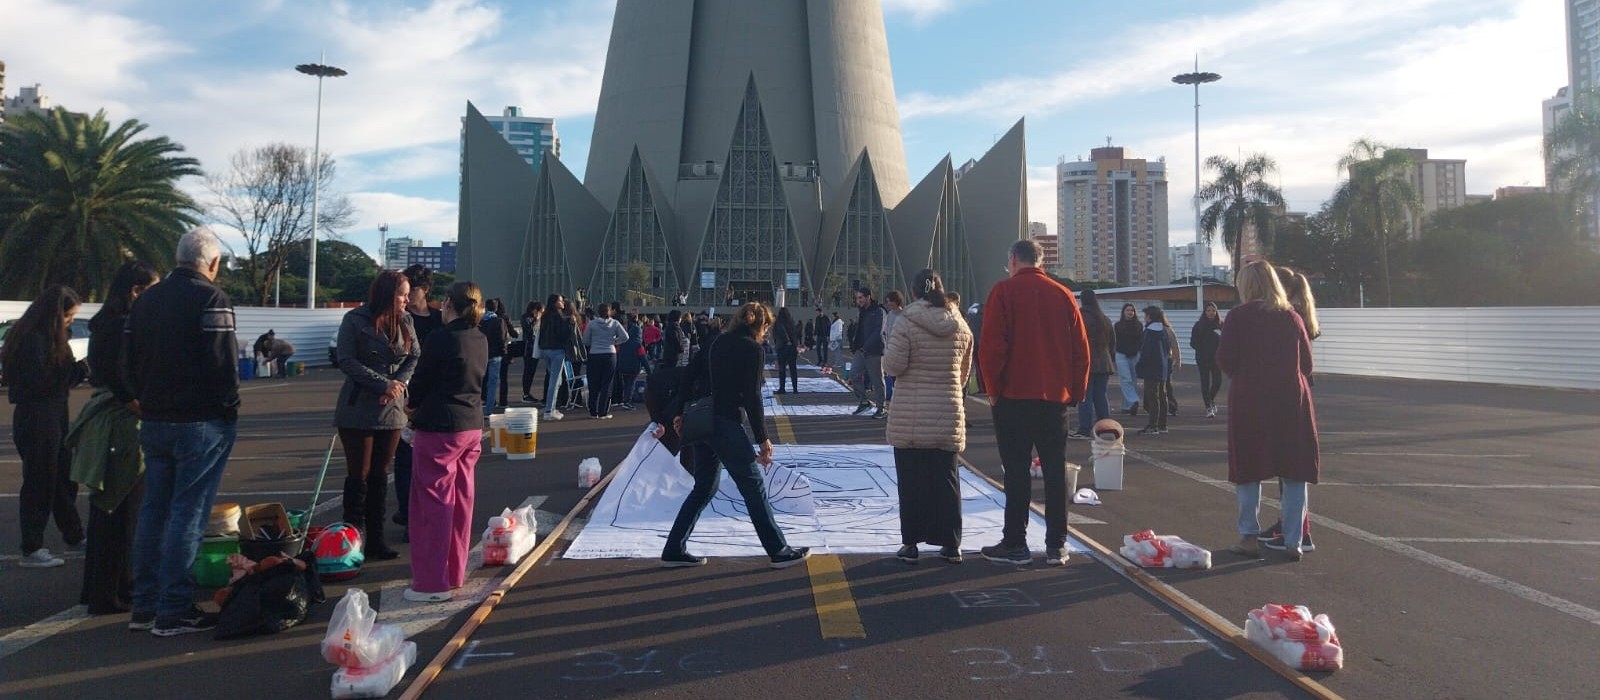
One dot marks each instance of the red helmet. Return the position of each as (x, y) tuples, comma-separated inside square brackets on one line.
[(339, 555)]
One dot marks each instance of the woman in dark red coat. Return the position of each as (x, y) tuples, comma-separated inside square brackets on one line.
[(1272, 426)]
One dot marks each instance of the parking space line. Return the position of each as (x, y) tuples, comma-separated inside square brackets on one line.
[(1492, 540), (837, 615), (1532, 595)]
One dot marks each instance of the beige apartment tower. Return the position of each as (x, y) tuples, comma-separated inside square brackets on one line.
[(1112, 217)]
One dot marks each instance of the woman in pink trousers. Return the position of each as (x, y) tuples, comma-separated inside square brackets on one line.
[(446, 409)]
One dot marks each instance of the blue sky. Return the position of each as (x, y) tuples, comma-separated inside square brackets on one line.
[(1301, 80)]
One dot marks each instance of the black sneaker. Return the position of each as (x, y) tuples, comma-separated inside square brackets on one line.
[(1277, 543), (196, 620), (793, 556), (681, 560), (863, 408), (1152, 430), (1275, 531), (881, 414), (908, 554), (1055, 556), (1077, 436), (951, 554), (1008, 554), (141, 622)]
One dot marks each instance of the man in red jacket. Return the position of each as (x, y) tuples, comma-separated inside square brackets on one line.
[(1034, 358)]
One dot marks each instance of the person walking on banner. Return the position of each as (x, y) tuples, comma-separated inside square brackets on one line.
[(1034, 357), (866, 341), (930, 352), (728, 369)]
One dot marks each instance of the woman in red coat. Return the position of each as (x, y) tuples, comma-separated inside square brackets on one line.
[(1272, 426)]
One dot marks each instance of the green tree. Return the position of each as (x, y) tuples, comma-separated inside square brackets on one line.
[(1513, 251), (1572, 148), (265, 194), (79, 197), (344, 271), (1376, 203), (636, 279), (1317, 246), (1239, 198)]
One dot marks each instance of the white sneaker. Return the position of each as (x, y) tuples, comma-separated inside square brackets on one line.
[(40, 559), (420, 597), (1211, 411), (554, 415)]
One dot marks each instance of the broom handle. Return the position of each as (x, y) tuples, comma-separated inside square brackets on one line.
[(317, 492)]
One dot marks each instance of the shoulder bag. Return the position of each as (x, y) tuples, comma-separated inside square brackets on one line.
[(699, 417)]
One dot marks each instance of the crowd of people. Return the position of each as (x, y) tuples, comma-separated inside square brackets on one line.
[(154, 439)]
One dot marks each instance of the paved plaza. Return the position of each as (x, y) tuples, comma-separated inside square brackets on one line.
[(1457, 545)]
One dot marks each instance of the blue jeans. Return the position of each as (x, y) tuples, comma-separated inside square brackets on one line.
[(555, 365), (1126, 379), (491, 385), (1296, 499), (1094, 407), (183, 466), (729, 448)]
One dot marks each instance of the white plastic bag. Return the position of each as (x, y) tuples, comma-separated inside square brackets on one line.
[(1148, 549), (510, 536), (588, 473), (1296, 637), (375, 681), (354, 639)]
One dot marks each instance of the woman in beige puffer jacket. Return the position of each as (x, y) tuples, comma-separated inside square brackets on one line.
[(930, 356)]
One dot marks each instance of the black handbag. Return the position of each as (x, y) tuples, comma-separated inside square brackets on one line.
[(699, 417)]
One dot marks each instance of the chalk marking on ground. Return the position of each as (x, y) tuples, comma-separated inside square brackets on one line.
[(1532, 595), (837, 615)]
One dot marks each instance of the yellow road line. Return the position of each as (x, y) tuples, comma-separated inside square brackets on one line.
[(785, 428), (836, 608)]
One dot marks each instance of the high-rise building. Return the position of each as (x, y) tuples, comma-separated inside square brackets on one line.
[(1183, 260), (439, 258), (1441, 183), (395, 254), (744, 147), (1555, 109), (530, 136), (1583, 74), (1111, 212), (29, 99), (2, 92)]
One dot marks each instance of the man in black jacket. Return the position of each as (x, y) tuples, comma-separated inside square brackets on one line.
[(180, 357), (866, 340), (819, 337)]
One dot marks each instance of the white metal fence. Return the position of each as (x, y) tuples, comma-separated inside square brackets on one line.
[(1550, 346), (308, 330), (1529, 346)]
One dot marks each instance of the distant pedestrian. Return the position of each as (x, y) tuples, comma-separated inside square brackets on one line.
[(181, 359), (557, 334), (1174, 363), (1034, 357), (105, 451), (819, 337), (530, 349), (630, 363), (930, 351), (444, 405), (786, 339), (729, 370), (39, 372), (1203, 338), (496, 329), (275, 352), (1130, 337), (1155, 368), (377, 354), (894, 306), (866, 342), (1102, 339), (601, 338), (1272, 424)]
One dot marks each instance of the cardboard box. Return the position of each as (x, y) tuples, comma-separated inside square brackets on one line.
[(266, 514)]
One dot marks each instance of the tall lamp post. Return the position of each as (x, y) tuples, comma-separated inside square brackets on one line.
[(383, 255), (321, 71), (1195, 78)]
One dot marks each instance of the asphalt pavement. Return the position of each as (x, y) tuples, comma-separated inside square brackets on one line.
[(1457, 533)]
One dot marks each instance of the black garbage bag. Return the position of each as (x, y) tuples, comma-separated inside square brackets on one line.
[(270, 601)]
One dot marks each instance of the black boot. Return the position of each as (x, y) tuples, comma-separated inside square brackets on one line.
[(374, 545)]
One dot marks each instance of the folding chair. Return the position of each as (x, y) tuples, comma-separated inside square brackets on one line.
[(572, 385)]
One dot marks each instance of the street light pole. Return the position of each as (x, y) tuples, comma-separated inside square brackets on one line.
[(320, 71), (383, 255), (1195, 78)]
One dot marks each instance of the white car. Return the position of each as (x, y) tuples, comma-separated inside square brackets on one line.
[(78, 337)]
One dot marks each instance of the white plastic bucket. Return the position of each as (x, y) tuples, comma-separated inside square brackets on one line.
[(1108, 473), (1072, 478), (521, 433), (497, 434)]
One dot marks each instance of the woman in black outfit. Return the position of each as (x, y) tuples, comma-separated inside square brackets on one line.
[(786, 338), (1203, 338), (530, 349), (557, 336), (40, 370), (728, 369), (115, 474), (1130, 337)]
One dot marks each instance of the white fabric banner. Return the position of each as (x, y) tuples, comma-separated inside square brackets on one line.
[(839, 499), (818, 385), (776, 409)]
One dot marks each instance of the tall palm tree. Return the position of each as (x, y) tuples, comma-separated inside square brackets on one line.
[(1376, 200), (1572, 148), (78, 198), (1239, 198)]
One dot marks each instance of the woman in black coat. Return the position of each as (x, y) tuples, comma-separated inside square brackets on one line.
[(1203, 338), (786, 339), (39, 370), (1129, 338)]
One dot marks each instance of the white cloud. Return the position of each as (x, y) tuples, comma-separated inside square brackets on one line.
[(921, 11), (431, 220), (81, 56)]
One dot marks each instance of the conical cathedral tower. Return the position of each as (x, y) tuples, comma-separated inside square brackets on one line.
[(740, 148)]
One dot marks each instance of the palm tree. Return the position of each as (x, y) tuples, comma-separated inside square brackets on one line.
[(1572, 148), (1238, 198), (1375, 200), (78, 198)]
